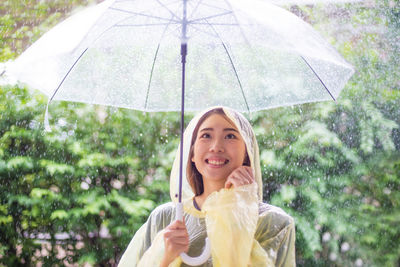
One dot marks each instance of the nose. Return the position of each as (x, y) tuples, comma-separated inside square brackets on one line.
[(217, 146)]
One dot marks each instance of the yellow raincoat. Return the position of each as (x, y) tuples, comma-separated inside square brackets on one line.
[(242, 230)]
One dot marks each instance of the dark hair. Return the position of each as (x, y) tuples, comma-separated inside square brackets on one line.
[(194, 177)]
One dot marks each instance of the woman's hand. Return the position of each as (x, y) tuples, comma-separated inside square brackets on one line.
[(176, 241), (241, 176)]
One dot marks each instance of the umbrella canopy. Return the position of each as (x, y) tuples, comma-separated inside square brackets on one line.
[(248, 55)]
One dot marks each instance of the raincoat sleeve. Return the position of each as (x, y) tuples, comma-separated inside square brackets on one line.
[(231, 220), (148, 237), (276, 235)]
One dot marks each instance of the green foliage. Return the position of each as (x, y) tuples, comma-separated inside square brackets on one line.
[(79, 193), (23, 22), (334, 166)]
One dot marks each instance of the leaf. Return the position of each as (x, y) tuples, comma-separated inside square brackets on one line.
[(88, 259), (288, 193), (56, 168), (59, 214), (309, 233), (131, 207), (22, 163), (269, 159), (40, 193)]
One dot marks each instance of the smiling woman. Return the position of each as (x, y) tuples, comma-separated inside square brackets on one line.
[(217, 149), (222, 201)]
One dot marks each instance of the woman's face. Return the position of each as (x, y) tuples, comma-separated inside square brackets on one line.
[(218, 149)]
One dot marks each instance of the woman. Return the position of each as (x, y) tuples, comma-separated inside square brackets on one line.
[(222, 201)]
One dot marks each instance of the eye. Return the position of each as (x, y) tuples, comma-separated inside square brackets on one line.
[(230, 136), (205, 135)]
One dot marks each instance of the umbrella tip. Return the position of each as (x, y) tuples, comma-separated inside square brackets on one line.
[(47, 127), (46, 118)]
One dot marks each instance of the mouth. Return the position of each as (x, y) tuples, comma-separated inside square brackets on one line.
[(217, 162)]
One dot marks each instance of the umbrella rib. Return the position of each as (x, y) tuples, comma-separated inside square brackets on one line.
[(117, 25), (172, 13), (195, 9), (141, 14), (233, 66), (205, 32), (201, 3), (237, 21), (80, 56), (236, 74), (219, 24), (315, 73), (139, 25), (151, 76), (154, 63), (216, 7), (210, 17), (70, 69)]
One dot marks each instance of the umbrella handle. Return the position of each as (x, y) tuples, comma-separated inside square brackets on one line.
[(205, 255)]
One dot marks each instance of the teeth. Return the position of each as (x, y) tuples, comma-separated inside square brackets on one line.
[(216, 162)]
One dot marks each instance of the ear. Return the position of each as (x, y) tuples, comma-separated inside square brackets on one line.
[(191, 152)]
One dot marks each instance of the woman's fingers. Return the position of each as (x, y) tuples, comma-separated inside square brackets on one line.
[(240, 176), (244, 175), (176, 234), (177, 224), (176, 229), (176, 238), (250, 172)]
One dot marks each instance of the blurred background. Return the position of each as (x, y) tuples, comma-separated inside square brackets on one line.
[(76, 196)]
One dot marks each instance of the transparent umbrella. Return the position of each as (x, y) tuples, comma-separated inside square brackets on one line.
[(245, 54)]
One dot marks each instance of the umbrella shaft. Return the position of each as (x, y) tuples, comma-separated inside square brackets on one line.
[(183, 54)]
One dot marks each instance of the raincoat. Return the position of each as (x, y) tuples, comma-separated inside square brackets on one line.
[(242, 230)]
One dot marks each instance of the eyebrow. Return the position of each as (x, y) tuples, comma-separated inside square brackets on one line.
[(225, 129)]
